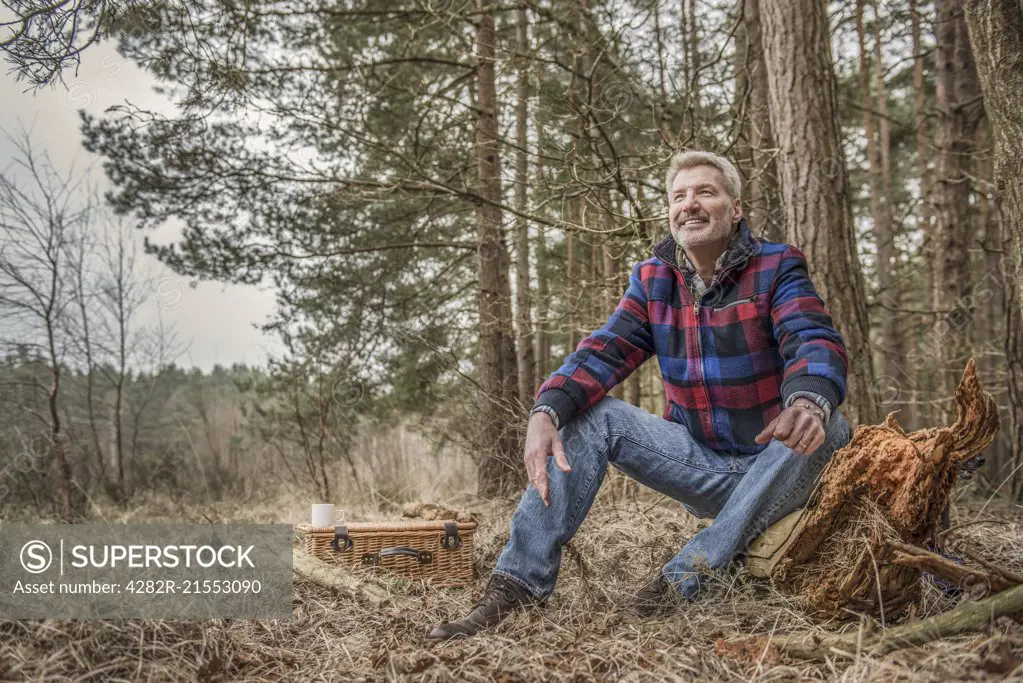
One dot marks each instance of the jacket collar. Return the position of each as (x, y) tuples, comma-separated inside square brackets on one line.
[(741, 247)]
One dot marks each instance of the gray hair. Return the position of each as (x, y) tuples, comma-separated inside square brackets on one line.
[(689, 159)]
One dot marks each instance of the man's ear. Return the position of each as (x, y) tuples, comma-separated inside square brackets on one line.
[(737, 207)]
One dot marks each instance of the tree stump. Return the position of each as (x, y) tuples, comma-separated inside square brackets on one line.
[(885, 486)]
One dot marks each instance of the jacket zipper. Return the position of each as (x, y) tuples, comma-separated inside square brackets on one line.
[(709, 427), (747, 300)]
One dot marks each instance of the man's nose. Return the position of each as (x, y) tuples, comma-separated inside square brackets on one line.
[(689, 204)]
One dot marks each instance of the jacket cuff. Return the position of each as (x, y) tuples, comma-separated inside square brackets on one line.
[(811, 384), (561, 402)]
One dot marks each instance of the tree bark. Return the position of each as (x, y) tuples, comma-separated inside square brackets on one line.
[(571, 283), (762, 208), (959, 112), (689, 77), (497, 470), (1014, 371), (523, 284), (889, 296), (996, 32), (922, 379), (543, 333), (815, 194)]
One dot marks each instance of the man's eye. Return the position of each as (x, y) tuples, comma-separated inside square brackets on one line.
[(706, 192)]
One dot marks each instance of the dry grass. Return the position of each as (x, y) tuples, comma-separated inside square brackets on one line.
[(579, 637)]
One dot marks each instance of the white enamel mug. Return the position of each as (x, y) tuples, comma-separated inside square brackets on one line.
[(323, 514)]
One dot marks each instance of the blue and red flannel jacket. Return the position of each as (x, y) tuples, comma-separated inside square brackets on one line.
[(730, 359)]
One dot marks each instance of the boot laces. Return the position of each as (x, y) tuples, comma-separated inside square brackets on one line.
[(498, 588)]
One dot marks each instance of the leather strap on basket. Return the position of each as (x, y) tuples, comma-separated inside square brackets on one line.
[(341, 535), (451, 539), (422, 556)]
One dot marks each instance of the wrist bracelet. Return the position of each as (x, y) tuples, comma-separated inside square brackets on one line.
[(816, 410), (550, 412)]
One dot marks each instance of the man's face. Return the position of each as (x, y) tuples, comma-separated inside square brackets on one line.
[(700, 211)]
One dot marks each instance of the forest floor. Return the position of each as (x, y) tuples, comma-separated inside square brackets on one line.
[(578, 637)]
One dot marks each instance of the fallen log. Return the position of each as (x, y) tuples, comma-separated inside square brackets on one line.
[(967, 617), (339, 579)]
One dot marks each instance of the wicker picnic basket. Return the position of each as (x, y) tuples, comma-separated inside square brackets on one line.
[(437, 551)]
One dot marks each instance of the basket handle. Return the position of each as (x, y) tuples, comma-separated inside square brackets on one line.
[(373, 559)]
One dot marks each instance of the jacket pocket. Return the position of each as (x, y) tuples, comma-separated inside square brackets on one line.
[(748, 300)]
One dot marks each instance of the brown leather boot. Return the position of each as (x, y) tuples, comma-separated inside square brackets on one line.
[(499, 600), (650, 599)]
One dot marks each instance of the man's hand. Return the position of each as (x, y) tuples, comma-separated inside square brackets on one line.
[(798, 428), (542, 441)]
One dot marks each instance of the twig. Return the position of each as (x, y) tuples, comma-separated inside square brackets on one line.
[(1004, 573), (925, 560)]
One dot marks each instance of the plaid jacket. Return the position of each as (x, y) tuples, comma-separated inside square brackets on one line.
[(730, 357)]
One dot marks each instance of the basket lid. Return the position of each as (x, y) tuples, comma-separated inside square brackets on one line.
[(391, 526)]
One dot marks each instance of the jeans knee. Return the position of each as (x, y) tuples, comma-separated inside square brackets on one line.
[(592, 430), (597, 419)]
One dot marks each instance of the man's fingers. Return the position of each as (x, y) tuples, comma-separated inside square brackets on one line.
[(795, 436), (765, 435), (559, 456), (811, 440), (803, 431), (786, 425), (536, 470), (541, 487), (818, 441)]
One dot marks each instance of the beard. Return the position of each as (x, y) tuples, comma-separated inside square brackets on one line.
[(717, 230)]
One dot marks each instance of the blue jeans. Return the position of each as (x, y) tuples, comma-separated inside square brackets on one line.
[(744, 493)]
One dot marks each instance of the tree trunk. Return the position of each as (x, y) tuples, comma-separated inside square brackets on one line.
[(571, 284), (543, 334), (762, 208), (691, 49), (923, 384), (814, 188), (611, 284), (742, 151), (959, 113), (888, 296), (498, 473), (996, 32), (523, 284), (1014, 370), (888, 250), (57, 436)]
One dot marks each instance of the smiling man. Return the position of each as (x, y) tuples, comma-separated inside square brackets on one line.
[(753, 372)]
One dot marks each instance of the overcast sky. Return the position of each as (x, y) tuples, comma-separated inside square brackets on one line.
[(215, 319)]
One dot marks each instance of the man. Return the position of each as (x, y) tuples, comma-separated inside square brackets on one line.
[(753, 372)]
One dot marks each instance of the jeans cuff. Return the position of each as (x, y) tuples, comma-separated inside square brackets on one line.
[(536, 595)]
